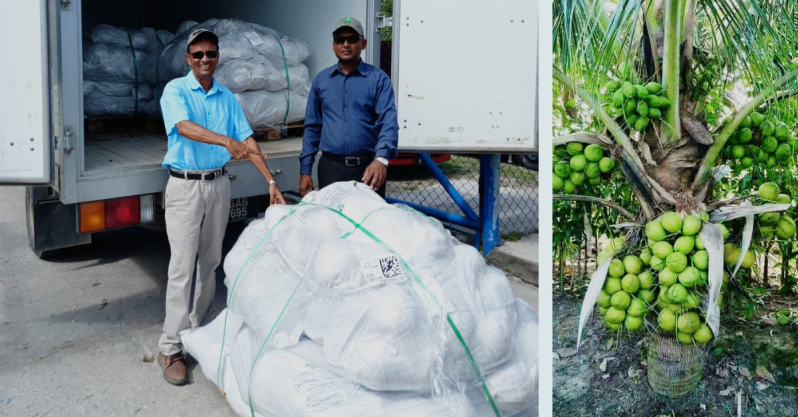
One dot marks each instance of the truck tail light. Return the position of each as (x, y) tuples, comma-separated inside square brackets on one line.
[(92, 217), (120, 212)]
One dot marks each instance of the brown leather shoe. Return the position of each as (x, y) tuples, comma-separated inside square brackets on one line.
[(174, 370)]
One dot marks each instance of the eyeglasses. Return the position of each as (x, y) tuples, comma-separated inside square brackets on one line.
[(339, 40), (200, 54)]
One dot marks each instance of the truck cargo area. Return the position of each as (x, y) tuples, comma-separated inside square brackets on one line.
[(119, 150), (129, 150)]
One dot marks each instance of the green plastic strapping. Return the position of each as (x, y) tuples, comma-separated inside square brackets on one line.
[(136, 69), (416, 278), (287, 83)]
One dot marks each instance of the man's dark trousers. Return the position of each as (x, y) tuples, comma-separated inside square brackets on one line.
[(332, 171)]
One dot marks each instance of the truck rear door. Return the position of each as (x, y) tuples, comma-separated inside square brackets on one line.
[(25, 144), (465, 75)]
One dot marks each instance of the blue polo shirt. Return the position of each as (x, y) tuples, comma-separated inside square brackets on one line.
[(217, 110), (350, 115)]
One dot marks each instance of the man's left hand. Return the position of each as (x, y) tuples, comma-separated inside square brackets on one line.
[(375, 175), (275, 195)]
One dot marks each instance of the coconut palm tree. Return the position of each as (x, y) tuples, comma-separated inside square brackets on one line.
[(670, 161)]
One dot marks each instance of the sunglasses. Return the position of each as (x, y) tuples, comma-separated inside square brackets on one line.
[(339, 40), (200, 54)]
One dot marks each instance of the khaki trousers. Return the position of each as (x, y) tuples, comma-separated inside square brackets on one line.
[(196, 219)]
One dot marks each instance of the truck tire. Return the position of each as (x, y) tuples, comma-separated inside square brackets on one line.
[(528, 161)]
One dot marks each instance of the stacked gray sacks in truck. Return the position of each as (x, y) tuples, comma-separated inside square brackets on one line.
[(262, 67), (344, 305), (114, 83)]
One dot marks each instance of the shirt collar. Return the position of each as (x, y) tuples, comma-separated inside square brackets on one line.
[(362, 68), (194, 84)]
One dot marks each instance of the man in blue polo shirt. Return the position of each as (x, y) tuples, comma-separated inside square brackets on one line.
[(350, 117), (205, 125)]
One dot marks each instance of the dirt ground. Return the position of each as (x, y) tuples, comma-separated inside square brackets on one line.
[(756, 358)]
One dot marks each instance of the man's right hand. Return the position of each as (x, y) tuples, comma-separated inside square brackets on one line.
[(305, 184)]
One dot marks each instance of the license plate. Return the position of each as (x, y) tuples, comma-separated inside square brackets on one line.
[(243, 208)]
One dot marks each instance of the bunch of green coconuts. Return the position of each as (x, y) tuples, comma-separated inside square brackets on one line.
[(577, 166), (759, 140), (638, 103)]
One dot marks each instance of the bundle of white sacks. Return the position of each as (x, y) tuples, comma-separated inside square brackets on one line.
[(114, 83), (271, 87), (358, 307), (251, 64)]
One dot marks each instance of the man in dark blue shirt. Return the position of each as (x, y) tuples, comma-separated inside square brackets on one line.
[(350, 117)]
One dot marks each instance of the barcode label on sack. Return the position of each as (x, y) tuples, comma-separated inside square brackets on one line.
[(254, 39), (321, 390), (387, 269)]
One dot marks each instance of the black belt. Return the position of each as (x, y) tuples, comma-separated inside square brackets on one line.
[(350, 161), (205, 176)]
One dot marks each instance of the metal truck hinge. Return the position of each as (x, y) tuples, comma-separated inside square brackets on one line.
[(64, 143), (66, 5), (384, 21)]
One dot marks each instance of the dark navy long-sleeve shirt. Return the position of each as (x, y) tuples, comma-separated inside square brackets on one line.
[(350, 115)]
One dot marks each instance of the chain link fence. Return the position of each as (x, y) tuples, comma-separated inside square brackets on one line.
[(413, 182)]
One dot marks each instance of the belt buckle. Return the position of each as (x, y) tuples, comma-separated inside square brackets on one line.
[(355, 158), (204, 174)]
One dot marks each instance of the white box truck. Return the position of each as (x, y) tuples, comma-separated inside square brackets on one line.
[(464, 74)]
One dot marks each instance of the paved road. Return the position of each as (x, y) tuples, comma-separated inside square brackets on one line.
[(77, 333)]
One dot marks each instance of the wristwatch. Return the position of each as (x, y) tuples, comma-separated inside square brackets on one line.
[(382, 160), (272, 182)]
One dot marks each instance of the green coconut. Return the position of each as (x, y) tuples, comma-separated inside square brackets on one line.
[(630, 283), (568, 187), (594, 181), (784, 199), (648, 296), (785, 228), (770, 144), (723, 231), (768, 128), (666, 320), (603, 311), (632, 264), (657, 264), (616, 268), (769, 191), (688, 322), (748, 260), (703, 335), (655, 231), (676, 262), (767, 219), (618, 99), (578, 178), (746, 122), (667, 277), (676, 308), (594, 152), (783, 152), (684, 338), (620, 300), (771, 162), (689, 277), (633, 323), (731, 253), (701, 260), (645, 256), (684, 244), (556, 183), (692, 301), (757, 119), (641, 92), (677, 293), (612, 285), (606, 164), (615, 315), (578, 163), (699, 244), (738, 151), (662, 249), (628, 89), (671, 222), (592, 170), (691, 225), (646, 279), (636, 308), (782, 131), (603, 299), (574, 148), (612, 326)]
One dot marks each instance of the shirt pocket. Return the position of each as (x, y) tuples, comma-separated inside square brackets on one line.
[(364, 104)]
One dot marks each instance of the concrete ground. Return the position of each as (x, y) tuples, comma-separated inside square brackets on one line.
[(78, 334)]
